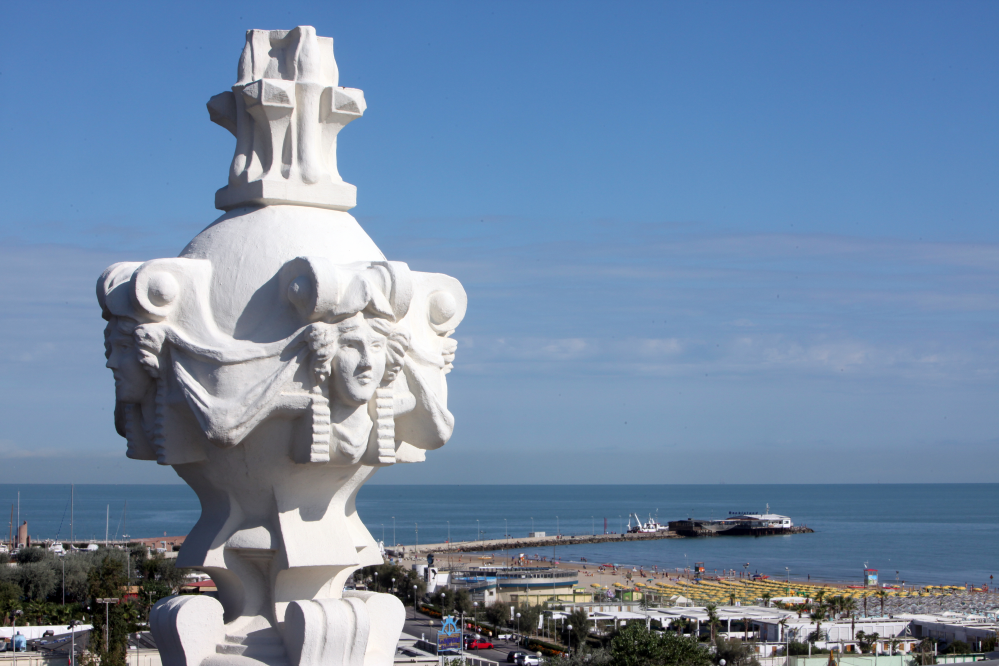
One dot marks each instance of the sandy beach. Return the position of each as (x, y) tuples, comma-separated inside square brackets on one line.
[(738, 587)]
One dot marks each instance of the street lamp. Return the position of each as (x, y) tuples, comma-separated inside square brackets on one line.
[(13, 634), (569, 641), (72, 629), (107, 601), (416, 528), (475, 614), (518, 624), (414, 603)]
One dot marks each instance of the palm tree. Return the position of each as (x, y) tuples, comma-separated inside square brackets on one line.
[(850, 608), (35, 610), (882, 595), (713, 621), (818, 616), (731, 599), (766, 596), (783, 629)]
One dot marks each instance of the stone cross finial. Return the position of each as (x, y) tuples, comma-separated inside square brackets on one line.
[(285, 111)]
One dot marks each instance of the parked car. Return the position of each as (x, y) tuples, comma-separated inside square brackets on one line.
[(479, 644), (526, 659), (511, 657)]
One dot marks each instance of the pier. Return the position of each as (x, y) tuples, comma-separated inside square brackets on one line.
[(525, 543)]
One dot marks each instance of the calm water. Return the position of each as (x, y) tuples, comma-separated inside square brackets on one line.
[(928, 533)]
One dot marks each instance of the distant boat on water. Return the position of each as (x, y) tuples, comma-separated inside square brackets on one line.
[(738, 524)]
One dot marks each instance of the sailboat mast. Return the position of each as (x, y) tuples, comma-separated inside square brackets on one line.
[(72, 497), (107, 524)]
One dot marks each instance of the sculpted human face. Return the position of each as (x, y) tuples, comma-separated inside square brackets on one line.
[(131, 381), (359, 364)]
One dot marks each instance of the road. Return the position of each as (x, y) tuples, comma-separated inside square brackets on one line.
[(426, 627)]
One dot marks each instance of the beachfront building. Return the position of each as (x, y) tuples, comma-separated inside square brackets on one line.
[(516, 585), (771, 628), (950, 627)]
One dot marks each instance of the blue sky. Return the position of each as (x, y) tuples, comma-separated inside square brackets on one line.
[(703, 242)]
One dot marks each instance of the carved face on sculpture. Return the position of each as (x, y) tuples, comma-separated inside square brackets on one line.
[(359, 363), (131, 381)]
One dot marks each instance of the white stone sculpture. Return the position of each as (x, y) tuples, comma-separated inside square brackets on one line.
[(276, 364)]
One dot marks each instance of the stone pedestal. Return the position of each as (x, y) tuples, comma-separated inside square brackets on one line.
[(276, 364)]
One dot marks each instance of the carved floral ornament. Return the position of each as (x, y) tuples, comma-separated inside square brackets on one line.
[(353, 367)]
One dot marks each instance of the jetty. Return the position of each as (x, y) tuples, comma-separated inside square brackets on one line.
[(525, 543)]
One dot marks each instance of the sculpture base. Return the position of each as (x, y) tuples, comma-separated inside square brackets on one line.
[(361, 629)]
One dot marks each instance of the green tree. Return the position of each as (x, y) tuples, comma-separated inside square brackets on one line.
[(924, 652), (866, 642), (78, 567), (817, 616), (34, 611), (106, 580), (713, 621), (495, 614), (37, 579), (581, 657), (29, 555), (444, 600), (766, 596), (882, 595), (394, 578), (637, 646), (580, 622), (849, 607), (10, 599), (529, 617), (735, 652), (150, 592)]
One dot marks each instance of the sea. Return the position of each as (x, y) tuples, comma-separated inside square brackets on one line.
[(921, 534)]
